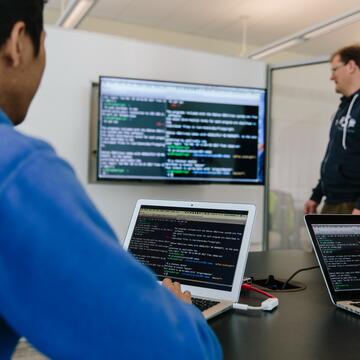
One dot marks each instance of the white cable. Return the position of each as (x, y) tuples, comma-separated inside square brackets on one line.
[(244, 22), (346, 122), (267, 305), (238, 306)]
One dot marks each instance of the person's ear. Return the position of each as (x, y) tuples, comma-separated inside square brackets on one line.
[(14, 46), (352, 66)]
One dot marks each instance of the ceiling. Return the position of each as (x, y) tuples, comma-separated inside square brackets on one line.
[(222, 20)]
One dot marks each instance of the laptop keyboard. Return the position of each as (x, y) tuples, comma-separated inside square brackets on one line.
[(203, 304)]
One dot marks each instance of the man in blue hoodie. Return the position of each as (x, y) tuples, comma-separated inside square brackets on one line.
[(66, 285), (340, 169)]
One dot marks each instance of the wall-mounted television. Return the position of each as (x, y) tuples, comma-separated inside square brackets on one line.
[(173, 131)]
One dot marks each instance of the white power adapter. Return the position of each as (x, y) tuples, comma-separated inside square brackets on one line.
[(270, 304), (267, 305)]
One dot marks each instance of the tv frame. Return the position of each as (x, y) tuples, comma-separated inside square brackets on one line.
[(178, 180)]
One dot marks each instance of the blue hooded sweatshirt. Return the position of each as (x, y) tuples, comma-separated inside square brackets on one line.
[(66, 284)]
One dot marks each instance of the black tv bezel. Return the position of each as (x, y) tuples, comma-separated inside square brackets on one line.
[(179, 180)]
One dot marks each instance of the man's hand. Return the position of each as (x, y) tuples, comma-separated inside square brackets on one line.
[(310, 207), (175, 288), (356, 212)]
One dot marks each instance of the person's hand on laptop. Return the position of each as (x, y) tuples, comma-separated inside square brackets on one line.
[(175, 288)]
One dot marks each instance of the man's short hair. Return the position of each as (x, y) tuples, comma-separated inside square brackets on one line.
[(28, 11), (348, 53)]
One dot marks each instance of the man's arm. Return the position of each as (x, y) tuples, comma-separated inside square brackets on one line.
[(69, 288), (310, 206)]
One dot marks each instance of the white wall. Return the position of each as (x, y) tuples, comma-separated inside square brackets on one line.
[(60, 112)]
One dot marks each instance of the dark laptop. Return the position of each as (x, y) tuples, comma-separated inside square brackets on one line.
[(336, 241)]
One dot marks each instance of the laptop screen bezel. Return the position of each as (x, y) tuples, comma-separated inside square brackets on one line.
[(197, 291), (315, 219)]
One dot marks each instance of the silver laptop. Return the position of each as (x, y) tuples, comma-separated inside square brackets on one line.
[(202, 245), (336, 241)]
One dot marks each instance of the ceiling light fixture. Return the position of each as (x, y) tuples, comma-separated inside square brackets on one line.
[(330, 26), (74, 13), (307, 34), (272, 48)]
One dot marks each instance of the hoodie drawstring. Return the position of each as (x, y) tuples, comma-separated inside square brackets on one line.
[(347, 118)]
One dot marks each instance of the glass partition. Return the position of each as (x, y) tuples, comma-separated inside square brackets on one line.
[(302, 103)]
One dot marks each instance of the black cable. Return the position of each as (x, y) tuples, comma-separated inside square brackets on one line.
[(295, 273)]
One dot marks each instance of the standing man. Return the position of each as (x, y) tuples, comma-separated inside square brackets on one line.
[(66, 284), (340, 169)]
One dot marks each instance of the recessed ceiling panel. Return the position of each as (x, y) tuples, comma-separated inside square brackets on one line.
[(150, 13), (268, 20), (110, 9)]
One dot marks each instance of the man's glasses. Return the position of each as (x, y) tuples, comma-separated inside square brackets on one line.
[(335, 68)]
